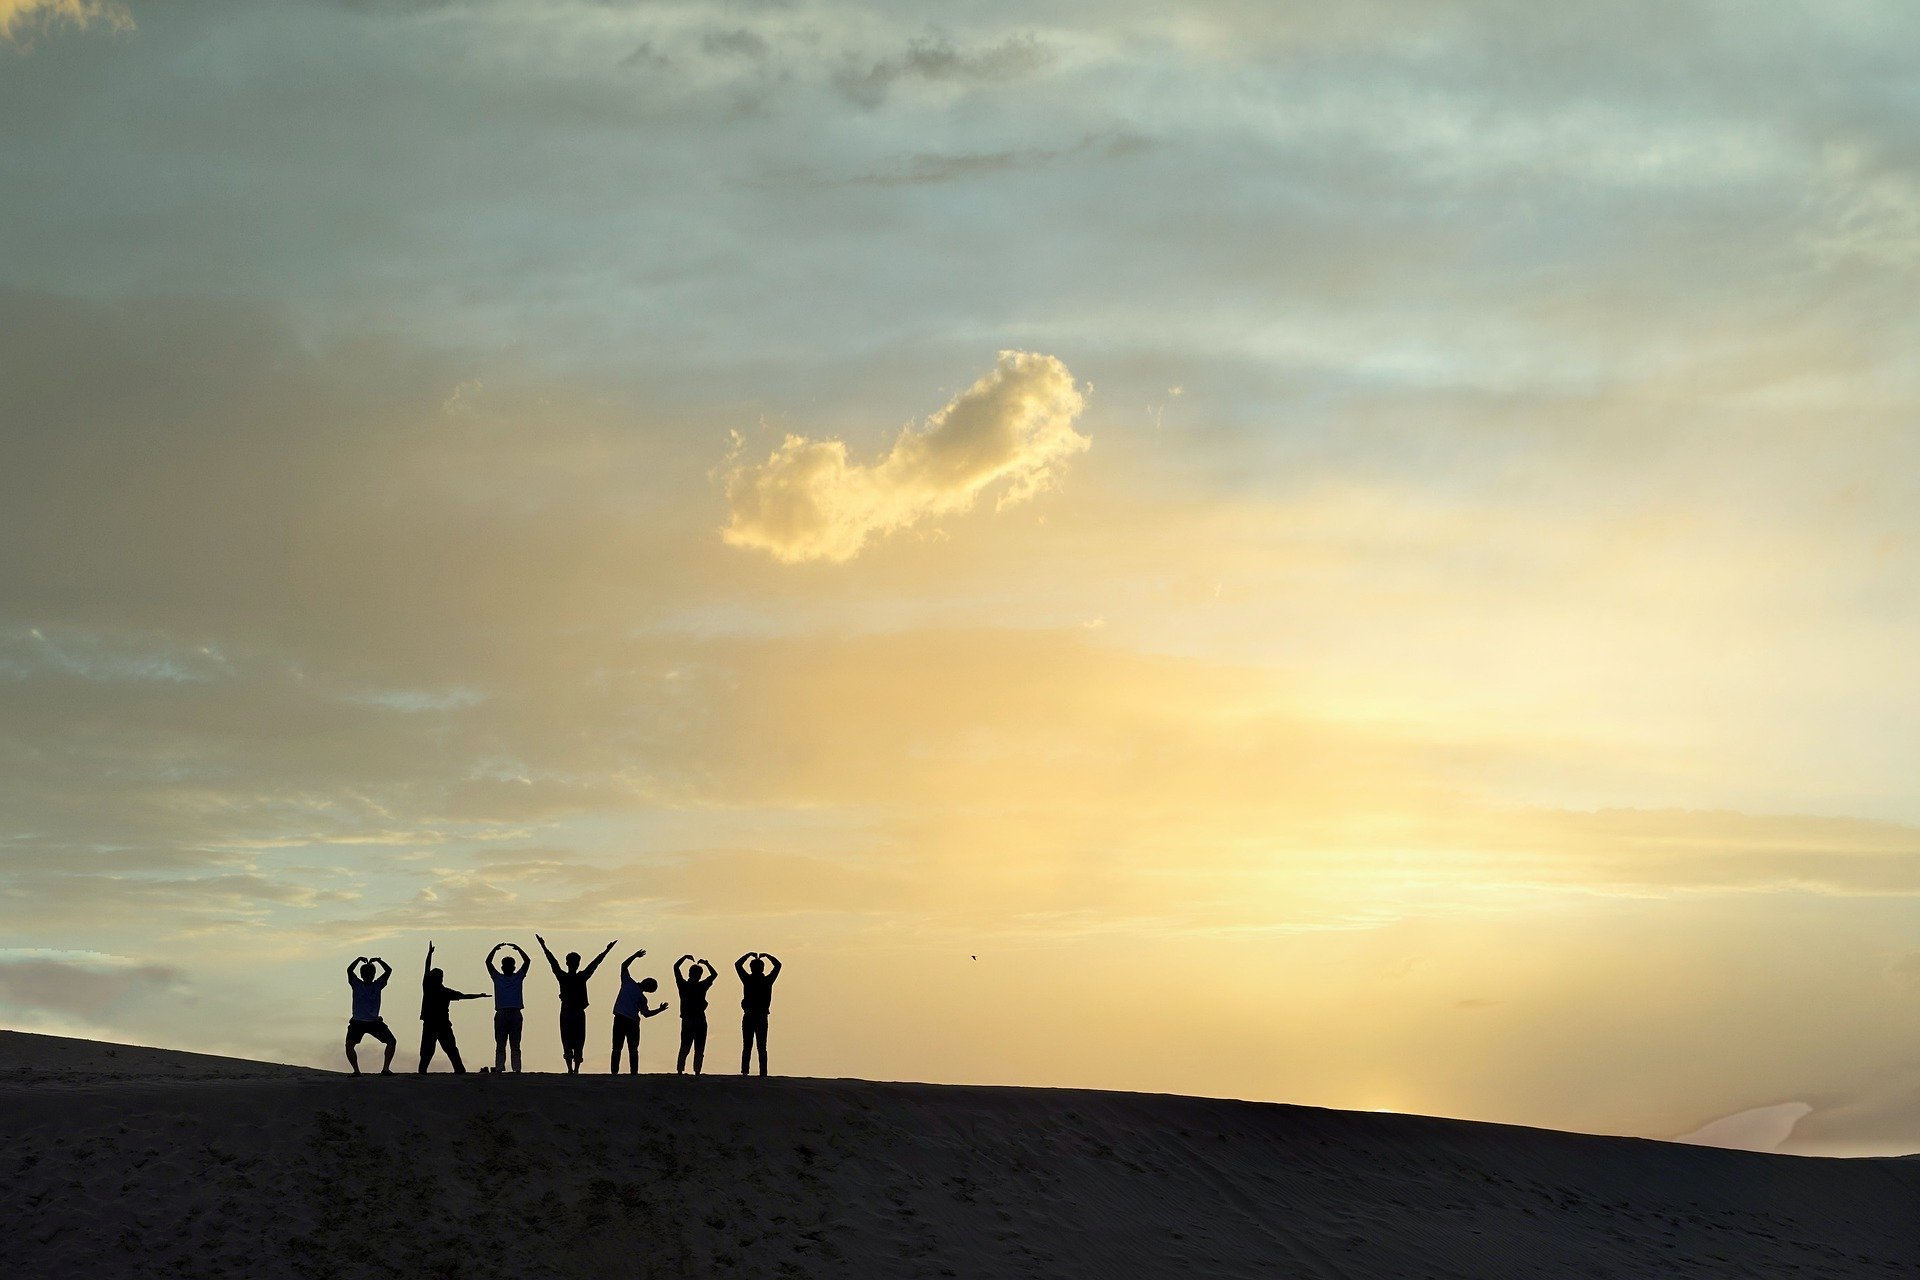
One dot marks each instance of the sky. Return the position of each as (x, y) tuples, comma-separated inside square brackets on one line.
[(1361, 554)]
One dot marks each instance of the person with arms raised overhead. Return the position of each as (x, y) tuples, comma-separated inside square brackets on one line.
[(573, 1001), (693, 1010), (509, 1003), (756, 1000), (628, 1008), (436, 1016), (367, 983)]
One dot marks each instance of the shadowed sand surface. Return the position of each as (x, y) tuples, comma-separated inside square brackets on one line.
[(124, 1161)]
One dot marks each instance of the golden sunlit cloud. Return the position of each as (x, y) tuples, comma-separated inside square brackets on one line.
[(809, 502), (19, 19)]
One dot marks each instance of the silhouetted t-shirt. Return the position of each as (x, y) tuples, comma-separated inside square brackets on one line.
[(693, 996), (573, 989), (757, 994), (507, 990), (627, 1003), (435, 999), (366, 999)]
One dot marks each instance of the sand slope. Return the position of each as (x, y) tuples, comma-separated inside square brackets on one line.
[(135, 1162)]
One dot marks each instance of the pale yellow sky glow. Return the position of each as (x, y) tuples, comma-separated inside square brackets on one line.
[(1358, 554)]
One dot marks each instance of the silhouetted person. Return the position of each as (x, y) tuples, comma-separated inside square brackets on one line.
[(573, 1001), (436, 1018), (756, 1000), (509, 1003), (628, 1008), (367, 983), (693, 1010)]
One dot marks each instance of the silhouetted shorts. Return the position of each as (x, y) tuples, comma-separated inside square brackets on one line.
[(375, 1027)]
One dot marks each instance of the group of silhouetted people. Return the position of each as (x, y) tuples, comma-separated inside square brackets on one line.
[(368, 975)]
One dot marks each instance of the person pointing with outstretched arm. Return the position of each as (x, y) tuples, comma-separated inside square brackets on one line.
[(436, 1018)]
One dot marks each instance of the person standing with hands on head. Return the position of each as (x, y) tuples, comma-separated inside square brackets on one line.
[(436, 1017), (693, 1010), (573, 1001), (756, 1001), (367, 983), (628, 1008), (509, 1003)]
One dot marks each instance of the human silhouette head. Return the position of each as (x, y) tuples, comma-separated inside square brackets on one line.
[(436, 976), (368, 973), (507, 965), (573, 959), (757, 965), (648, 984)]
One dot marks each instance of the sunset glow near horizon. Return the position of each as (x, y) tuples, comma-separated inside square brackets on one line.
[(1358, 554)]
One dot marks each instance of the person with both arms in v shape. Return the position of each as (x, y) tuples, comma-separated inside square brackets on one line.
[(573, 1001)]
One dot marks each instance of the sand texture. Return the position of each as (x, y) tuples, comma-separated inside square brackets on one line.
[(123, 1161)]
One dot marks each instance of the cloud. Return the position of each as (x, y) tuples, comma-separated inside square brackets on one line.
[(85, 984), (20, 20), (808, 501), (1755, 1129), (937, 59)]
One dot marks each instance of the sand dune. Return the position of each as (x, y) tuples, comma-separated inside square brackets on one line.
[(125, 1161)]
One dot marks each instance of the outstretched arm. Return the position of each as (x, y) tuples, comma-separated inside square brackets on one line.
[(468, 995), (548, 952), (648, 1013), (597, 959)]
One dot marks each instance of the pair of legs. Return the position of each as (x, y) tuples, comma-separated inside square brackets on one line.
[(753, 1027), (506, 1035), (693, 1035), (573, 1038), (439, 1034), (376, 1028), (626, 1034)]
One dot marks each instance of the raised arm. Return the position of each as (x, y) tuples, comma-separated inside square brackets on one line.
[(353, 968), (627, 964), (740, 966), (548, 952), (597, 959), (774, 961), (711, 972), (525, 959), (427, 968), (386, 971), (491, 971)]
